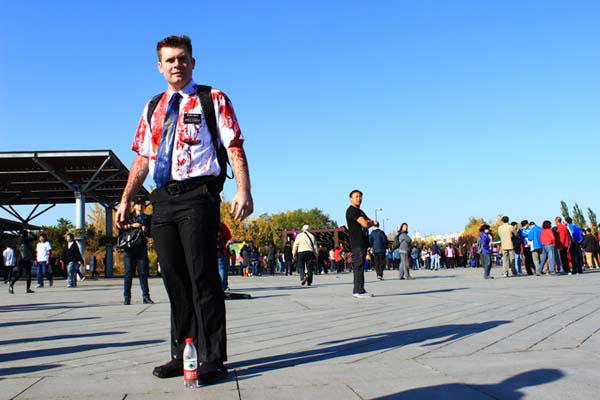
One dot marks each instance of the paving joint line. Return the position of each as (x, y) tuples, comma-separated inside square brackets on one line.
[(27, 388), (237, 384), (354, 391), (144, 310), (564, 326)]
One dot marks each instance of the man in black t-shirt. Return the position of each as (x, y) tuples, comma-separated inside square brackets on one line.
[(358, 229)]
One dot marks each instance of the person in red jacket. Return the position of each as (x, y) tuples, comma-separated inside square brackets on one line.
[(548, 241), (563, 244)]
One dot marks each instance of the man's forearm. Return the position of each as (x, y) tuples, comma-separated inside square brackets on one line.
[(137, 175), (239, 163)]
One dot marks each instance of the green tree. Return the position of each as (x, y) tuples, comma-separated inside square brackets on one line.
[(564, 210), (593, 220), (471, 232), (56, 233), (578, 218)]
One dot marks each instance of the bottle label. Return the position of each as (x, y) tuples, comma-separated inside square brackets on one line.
[(190, 374)]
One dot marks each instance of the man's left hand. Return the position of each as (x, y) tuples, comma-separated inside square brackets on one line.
[(242, 205)]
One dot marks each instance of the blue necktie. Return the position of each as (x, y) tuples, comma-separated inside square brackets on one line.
[(164, 155)]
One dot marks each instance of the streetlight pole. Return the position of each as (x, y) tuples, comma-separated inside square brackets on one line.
[(377, 209)]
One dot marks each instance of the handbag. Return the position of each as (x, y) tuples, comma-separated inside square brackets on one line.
[(130, 239)]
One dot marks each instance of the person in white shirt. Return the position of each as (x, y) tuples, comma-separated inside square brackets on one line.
[(42, 259), (10, 261)]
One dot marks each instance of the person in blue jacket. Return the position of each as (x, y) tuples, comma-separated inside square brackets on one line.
[(378, 242), (485, 241), (533, 237), (575, 248)]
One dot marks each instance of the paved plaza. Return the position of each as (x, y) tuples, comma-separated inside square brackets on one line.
[(446, 335)]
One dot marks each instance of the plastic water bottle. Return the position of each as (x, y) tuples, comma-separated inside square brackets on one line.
[(190, 365)]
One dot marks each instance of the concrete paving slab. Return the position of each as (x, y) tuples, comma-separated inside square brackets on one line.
[(447, 334)]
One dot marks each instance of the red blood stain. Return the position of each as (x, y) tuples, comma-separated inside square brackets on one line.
[(158, 118), (138, 140)]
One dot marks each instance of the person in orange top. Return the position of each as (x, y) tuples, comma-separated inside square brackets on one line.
[(548, 242), (563, 244)]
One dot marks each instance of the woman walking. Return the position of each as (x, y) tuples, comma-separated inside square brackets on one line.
[(403, 243)]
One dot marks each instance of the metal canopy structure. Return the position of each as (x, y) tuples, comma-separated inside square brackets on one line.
[(54, 177), (9, 226), (47, 178)]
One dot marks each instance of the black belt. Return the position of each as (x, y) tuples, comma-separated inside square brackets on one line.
[(176, 188)]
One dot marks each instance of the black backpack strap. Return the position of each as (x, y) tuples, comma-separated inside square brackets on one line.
[(151, 107), (210, 116), (208, 109)]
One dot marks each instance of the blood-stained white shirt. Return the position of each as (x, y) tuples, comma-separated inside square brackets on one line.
[(193, 151)]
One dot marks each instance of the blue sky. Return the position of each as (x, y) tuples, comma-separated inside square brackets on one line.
[(436, 110)]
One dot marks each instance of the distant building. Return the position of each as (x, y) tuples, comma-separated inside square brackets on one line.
[(445, 238)]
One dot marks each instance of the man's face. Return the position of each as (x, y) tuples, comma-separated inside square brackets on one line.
[(42, 239), (356, 199), (138, 208), (176, 64)]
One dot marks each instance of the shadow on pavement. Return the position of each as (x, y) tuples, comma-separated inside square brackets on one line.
[(35, 306), (26, 370), (57, 337), (362, 345), (59, 351), (508, 389), (42, 321), (425, 292)]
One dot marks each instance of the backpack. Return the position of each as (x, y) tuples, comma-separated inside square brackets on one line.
[(208, 110)]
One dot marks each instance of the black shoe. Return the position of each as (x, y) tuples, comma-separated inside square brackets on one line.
[(169, 370), (209, 373), (11, 290), (303, 282), (147, 300), (126, 301), (29, 291)]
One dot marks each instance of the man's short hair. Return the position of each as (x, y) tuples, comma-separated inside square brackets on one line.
[(355, 191), (71, 236), (524, 222), (559, 219), (568, 220), (376, 224), (588, 230), (514, 223), (43, 235), (174, 41), (531, 223), (505, 219)]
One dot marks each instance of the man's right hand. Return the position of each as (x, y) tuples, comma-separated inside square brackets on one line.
[(122, 214)]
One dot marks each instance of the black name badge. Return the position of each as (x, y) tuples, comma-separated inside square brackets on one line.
[(189, 118)]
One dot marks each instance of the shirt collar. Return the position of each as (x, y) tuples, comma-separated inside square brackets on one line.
[(187, 91)]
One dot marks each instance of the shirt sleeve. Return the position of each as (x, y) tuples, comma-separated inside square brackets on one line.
[(229, 129), (141, 141)]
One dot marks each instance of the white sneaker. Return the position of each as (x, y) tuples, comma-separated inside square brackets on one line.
[(362, 295)]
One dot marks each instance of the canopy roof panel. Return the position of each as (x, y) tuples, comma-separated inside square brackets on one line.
[(53, 177)]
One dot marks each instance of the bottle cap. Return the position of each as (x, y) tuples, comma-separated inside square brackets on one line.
[(189, 341)]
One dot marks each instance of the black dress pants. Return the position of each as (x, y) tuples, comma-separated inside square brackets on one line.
[(576, 258), (379, 261), (358, 265), (306, 259), (23, 268), (564, 259), (184, 228), (528, 261)]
